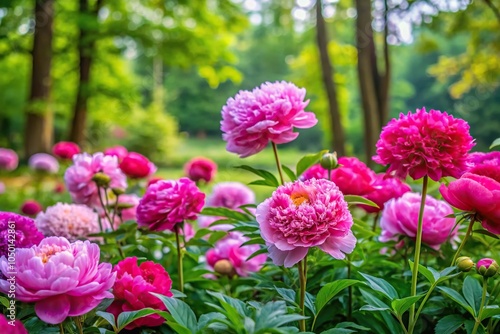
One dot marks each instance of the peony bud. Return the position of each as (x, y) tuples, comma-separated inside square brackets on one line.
[(464, 263), (329, 161), (101, 179), (224, 267), (118, 191), (487, 267)]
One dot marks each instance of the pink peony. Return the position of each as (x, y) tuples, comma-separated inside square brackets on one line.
[(79, 177), (400, 218), (31, 207), (425, 143), (230, 195), (200, 168), (26, 233), (127, 204), (118, 151), (132, 290), (270, 112), (62, 278), (229, 249), (314, 172), (481, 158), (2, 187), (71, 221), (43, 162), (386, 188), (167, 203), (137, 166), (479, 193), (301, 215), (11, 325), (486, 262), (8, 159), (65, 150)]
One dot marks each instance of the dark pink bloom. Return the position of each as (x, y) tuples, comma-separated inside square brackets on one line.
[(9, 326), (314, 172), (132, 290), (8, 159), (486, 262), (229, 248), (385, 188), (137, 166), (167, 203), (425, 143), (65, 150), (26, 233), (479, 193), (301, 215), (31, 207), (481, 158), (400, 218), (118, 151), (153, 180), (270, 112), (63, 279), (200, 168), (43, 162)]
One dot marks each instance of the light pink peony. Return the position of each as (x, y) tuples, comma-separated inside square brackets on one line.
[(63, 279), (400, 218), (10, 326), (425, 143), (71, 221), (31, 207), (200, 168), (270, 112), (167, 203), (386, 187), (119, 151), (230, 195), (229, 248), (478, 192), (137, 166), (302, 215), (65, 150), (8, 159), (43, 162), (79, 177)]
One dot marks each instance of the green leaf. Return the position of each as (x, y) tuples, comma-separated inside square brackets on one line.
[(490, 311), (109, 317), (455, 296), (207, 318), (180, 311), (448, 324), (287, 294), (425, 272), (372, 308), (215, 236), (307, 161), (309, 303), (291, 175), (260, 251), (330, 290), (126, 318), (268, 178), (487, 233), (381, 285), (400, 306), (472, 292), (353, 199), (254, 241), (495, 144), (225, 212), (4, 301)]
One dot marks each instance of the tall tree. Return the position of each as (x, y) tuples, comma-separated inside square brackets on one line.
[(327, 73), (39, 117)]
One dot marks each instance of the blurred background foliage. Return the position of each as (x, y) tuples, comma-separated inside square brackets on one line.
[(161, 70)]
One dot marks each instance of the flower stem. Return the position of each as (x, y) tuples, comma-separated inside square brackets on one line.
[(349, 303), (462, 244), (179, 258), (421, 307), (78, 322), (278, 164), (302, 296), (61, 328), (481, 307), (375, 218), (418, 246)]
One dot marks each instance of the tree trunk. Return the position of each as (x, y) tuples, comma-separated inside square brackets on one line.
[(39, 117), (327, 71)]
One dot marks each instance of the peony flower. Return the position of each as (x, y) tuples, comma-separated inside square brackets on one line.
[(481, 158), (301, 215), (270, 112), (400, 218), (167, 203), (26, 233), (425, 143), (79, 177), (10, 326), (314, 172), (71, 221), (385, 188), (132, 290), (479, 193), (200, 168), (31, 207), (230, 195), (137, 166), (127, 205), (230, 258), (8, 159), (119, 151), (63, 279), (65, 150), (43, 162)]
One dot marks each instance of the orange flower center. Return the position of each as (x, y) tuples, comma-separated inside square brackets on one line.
[(47, 251), (299, 198)]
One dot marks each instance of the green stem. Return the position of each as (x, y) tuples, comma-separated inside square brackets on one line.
[(111, 223), (78, 322), (302, 296), (349, 289), (481, 307), (374, 226), (418, 246), (402, 325), (61, 328), (179, 259), (277, 158), (329, 174), (420, 308), (462, 244)]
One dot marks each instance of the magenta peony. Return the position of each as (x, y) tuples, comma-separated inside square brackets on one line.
[(400, 218), (200, 168), (31, 207), (167, 203), (71, 221), (270, 112), (314, 172), (302, 215), (65, 150), (234, 256), (63, 279), (481, 158), (385, 188), (24, 229), (118, 151), (425, 143), (8, 159), (43, 162), (479, 193), (137, 166), (10, 326), (79, 177), (132, 290)]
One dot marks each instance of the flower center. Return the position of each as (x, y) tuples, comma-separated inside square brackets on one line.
[(48, 250), (298, 198)]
